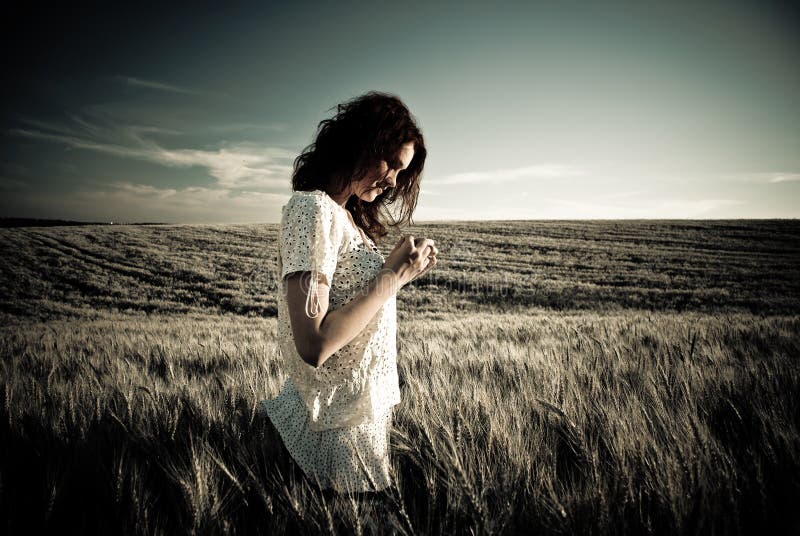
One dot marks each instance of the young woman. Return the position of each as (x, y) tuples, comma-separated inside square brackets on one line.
[(337, 308)]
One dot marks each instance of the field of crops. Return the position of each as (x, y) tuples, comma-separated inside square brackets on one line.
[(607, 377), (736, 265)]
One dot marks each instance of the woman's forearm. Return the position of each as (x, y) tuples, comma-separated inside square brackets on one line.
[(342, 325)]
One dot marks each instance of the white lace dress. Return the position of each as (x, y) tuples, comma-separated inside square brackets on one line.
[(334, 420)]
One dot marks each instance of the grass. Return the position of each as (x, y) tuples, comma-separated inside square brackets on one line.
[(679, 265), (552, 420)]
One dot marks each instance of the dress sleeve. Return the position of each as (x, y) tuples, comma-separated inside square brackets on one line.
[(307, 243)]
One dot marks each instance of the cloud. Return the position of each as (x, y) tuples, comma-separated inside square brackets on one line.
[(647, 209), (621, 195), (766, 177), (78, 143), (697, 207), (128, 202), (550, 208), (160, 86), (149, 191), (539, 171), (7, 184), (784, 177), (238, 127), (428, 192), (233, 165)]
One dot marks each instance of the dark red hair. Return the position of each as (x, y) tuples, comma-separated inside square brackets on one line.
[(350, 145)]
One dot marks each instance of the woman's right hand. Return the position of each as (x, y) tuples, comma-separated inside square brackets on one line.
[(411, 258)]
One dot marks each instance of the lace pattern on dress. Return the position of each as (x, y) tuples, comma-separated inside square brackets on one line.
[(360, 377)]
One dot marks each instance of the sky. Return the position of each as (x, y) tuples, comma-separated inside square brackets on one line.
[(530, 110)]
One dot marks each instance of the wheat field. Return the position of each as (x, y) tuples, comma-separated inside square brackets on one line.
[(605, 377)]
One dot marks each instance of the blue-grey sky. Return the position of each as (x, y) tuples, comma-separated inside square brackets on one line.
[(530, 110)]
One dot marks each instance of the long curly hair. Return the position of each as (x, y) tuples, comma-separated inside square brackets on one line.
[(350, 145)]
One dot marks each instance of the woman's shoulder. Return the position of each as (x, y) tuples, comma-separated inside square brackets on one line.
[(305, 193), (316, 204), (315, 196), (309, 200)]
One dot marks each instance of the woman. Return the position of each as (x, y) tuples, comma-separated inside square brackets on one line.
[(337, 309)]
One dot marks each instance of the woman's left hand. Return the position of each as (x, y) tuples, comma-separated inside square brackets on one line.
[(432, 252)]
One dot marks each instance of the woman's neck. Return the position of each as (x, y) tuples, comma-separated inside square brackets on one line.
[(341, 198)]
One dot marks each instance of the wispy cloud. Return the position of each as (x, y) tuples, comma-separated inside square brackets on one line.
[(191, 204), (784, 177), (126, 201), (160, 86), (621, 195), (600, 207), (647, 209), (428, 192), (233, 165), (766, 177), (538, 171), (239, 127), (7, 184)]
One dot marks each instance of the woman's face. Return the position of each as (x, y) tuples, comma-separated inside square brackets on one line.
[(384, 176)]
